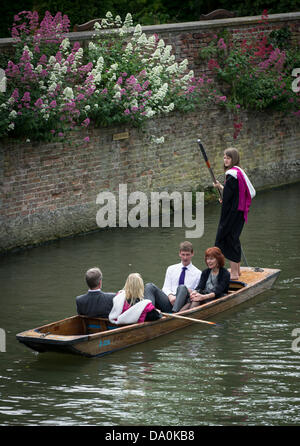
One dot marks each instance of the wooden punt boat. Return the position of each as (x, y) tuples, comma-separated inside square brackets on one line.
[(91, 336)]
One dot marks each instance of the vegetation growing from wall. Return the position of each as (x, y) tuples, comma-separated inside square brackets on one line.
[(148, 12), (122, 77), (256, 71)]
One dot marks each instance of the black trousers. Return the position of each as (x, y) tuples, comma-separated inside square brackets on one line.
[(161, 301)]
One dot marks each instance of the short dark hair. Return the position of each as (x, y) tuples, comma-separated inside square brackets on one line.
[(186, 246), (93, 277)]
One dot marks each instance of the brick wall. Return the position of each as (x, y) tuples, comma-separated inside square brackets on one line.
[(49, 190), (188, 38)]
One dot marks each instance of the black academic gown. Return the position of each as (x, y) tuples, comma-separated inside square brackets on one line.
[(231, 221)]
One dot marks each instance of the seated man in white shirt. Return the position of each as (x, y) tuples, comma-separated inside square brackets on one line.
[(180, 279)]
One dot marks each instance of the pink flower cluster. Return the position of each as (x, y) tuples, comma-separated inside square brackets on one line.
[(213, 64), (50, 30), (255, 72), (134, 94), (221, 44), (204, 87), (34, 84), (51, 89), (28, 26), (276, 59), (238, 125)]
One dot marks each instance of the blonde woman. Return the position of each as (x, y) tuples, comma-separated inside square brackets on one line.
[(129, 305)]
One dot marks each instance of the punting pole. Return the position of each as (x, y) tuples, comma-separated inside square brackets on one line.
[(208, 165), (188, 318)]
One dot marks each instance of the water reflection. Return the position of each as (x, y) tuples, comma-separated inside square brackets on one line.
[(241, 372)]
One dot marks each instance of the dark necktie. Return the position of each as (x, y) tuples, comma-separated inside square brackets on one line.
[(182, 276)]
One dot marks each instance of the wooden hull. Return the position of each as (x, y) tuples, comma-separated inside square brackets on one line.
[(96, 337)]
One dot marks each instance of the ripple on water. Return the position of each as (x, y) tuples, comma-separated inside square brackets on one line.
[(243, 372)]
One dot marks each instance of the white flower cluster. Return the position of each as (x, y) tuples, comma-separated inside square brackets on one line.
[(111, 23), (97, 71), (49, 78), (165, 78), (130, 74)]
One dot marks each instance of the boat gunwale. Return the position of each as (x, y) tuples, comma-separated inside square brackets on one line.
[(189, 312), (74, 339)]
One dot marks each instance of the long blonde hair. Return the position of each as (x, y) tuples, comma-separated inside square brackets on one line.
[(134, 288)]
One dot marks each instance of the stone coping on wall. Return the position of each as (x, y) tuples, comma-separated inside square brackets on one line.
[(185, 26)]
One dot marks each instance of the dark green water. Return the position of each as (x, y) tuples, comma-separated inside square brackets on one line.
[(243, 372)]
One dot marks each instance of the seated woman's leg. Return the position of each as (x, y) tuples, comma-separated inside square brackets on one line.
[(158, 298), (186, 306), (182, 294), (190, 305)]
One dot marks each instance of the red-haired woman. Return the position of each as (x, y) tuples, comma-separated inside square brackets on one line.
[(214, 281)]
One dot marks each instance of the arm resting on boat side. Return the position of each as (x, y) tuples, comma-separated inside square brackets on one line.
[(198, 297)]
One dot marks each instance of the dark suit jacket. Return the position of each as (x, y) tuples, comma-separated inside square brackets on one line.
[(222, 285), (95, 303)]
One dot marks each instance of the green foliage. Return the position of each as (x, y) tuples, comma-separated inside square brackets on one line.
[(280, 38), (122, 76), (255, 72), (146, 12), (126, 77), (211, 195)]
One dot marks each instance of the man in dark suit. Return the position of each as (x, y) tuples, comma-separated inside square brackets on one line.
[(94, 303)]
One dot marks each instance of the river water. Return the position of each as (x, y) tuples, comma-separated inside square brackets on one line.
[(245, 371)]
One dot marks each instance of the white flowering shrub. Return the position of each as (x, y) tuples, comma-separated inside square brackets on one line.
[(137, 76), (123, 76)]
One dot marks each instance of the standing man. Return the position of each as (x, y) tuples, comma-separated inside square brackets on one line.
[(180, 280), (94, 303)]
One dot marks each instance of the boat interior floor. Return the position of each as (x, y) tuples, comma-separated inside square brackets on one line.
[(84, 325)]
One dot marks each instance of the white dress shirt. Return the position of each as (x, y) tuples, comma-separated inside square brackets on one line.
[(191, 280)]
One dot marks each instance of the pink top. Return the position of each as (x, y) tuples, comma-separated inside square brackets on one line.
[(244, 194), (143, 315)]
